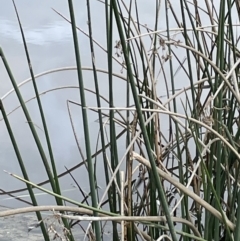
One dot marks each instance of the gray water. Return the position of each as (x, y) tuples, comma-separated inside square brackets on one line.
[(50, 45)]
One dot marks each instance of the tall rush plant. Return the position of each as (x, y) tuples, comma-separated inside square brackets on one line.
[(92, 180), (142, 125)]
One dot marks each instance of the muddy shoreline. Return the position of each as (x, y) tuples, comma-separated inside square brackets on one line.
[(15, 227)]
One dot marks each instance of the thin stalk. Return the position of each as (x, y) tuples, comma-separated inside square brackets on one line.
[(232, 57), (237, 228), (129, 165), (109, 26), (85, 120), (98, 103), (174, 100), (155, 122), (218, 113)]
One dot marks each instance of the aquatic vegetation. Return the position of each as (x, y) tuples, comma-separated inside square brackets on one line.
[(170, 151)]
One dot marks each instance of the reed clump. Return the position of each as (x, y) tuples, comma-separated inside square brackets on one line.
[(170, 151)]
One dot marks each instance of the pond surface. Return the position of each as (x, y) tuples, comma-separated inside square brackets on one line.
[(50, 45), (49, 39)]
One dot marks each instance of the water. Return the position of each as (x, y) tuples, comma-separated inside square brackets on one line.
[(50, 44)]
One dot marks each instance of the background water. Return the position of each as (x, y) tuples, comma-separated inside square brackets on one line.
[(50, 44)]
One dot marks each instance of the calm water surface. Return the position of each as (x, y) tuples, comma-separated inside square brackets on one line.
[(50, 44)]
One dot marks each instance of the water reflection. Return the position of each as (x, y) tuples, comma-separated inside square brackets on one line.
[(50, 44), (47, 34), (49, 40)]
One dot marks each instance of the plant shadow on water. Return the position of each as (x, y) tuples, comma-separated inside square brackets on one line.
[(138, 139)]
